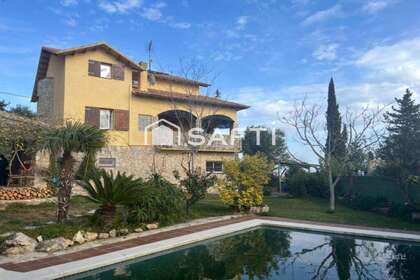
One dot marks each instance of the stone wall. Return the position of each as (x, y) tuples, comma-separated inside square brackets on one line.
[(45, 104), (141, 161)]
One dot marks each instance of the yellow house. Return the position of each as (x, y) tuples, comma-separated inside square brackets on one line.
[(98, 85)]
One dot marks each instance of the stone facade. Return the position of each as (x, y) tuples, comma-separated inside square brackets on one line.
[(142, 161), (45, 104)]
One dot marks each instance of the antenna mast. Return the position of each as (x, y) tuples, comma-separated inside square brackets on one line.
[(149, 50)]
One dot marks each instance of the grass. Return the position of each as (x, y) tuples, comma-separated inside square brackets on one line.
[(313, 209), (20, 217), (17, 216)]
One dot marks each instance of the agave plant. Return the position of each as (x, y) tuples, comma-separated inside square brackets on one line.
[(110, 191)]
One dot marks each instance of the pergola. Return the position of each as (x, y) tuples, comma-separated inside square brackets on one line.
[(18, 135)]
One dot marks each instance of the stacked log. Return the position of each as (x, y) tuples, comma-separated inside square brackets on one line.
[(21, 193)]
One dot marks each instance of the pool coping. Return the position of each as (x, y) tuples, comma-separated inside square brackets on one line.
[(58, 266)]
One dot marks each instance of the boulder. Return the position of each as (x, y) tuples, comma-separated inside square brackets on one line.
[(152, 226), (39, 238), (259, 209), (123, 231), (54, 245), (138, 230), (90, 236), (113, 233), (18, 244), (103, 235), (78, 237)]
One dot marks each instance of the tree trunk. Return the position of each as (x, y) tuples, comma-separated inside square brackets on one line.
[(332, 189), (64, 193)]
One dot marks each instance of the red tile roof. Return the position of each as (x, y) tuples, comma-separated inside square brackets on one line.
[(189, 98)]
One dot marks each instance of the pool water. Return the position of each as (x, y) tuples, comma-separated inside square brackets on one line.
[(273, 253)]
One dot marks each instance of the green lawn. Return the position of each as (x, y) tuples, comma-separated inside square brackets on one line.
[(313, 209), (16, 217)]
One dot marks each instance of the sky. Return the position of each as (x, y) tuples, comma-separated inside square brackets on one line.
[(266, 54)]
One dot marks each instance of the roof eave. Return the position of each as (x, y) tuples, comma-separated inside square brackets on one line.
[(228, 104)]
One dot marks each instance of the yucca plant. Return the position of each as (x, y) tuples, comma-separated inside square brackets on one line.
[(110, 191), (73, 137)]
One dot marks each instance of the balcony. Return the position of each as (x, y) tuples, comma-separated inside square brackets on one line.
[(172, 134), (184, 143)]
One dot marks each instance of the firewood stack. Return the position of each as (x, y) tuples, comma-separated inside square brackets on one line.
[(24, 193)]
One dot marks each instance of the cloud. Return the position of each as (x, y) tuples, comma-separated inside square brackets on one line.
[(180, 25), (241, 22), (323, 15), (67, 3), (71, 22), (398, 62), (326, 52), (153, 12), (122, 6), (375, 6)]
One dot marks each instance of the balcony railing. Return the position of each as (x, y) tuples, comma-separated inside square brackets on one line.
[(183, 142)]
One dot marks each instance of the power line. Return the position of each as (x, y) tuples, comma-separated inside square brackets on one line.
[(14, 94)]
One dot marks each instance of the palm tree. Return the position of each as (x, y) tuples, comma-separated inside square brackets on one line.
[(109, 191), (73, 137)]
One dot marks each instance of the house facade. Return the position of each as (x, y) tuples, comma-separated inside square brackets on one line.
[(98, 85)]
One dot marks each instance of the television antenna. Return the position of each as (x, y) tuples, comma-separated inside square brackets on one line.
[(149, 51)]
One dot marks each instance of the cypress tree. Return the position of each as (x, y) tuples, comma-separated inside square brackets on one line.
[(335, 142)]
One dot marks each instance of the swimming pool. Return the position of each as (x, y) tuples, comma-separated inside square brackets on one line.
[(275, 253)]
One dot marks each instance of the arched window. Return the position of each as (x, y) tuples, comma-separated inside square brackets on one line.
[(219, 123), (185, 120)]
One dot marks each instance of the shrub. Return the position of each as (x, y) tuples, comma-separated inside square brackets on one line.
[(109, 192), (242, 187), (273, 183), (195, 186), (401, 210), (158, 201), (313, 184)]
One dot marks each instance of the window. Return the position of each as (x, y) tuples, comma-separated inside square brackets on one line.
[(144, 121), (214, 166), (106, 162), (105, 119), (106, 71)]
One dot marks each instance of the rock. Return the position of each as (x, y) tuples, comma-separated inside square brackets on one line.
[(78, 237), (123, 231), (18, 244), (54, 245), (39, 238), (113, 233), (152, 226), (31, 227), (265, 209), (138, 230), (259, 209), (7, 234), (103, 235), (90, 236)]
